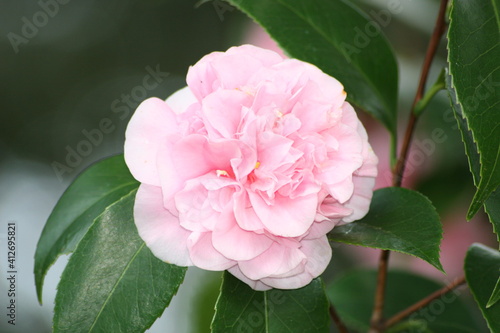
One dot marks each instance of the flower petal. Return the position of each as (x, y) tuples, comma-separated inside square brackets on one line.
[(278, 259), (204, 255), (319, 229), (254, 284), (191, 157), (222, 112), (235, 243), (360, 201), (318, 253), (216, 70), (193, 206), (286, 217), (159, 229), (275, 151), (151, 123), (245, 213)]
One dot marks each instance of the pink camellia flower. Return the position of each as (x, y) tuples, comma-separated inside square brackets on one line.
[(249, 167)]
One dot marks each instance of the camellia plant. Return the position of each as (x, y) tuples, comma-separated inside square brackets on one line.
[(260, 164)]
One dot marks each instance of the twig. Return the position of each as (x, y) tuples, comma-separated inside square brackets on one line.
[(377, 320), (336, 319), (439, 29), (422, 303)]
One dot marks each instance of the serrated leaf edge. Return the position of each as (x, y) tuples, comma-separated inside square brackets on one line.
[(495, 295), (469, 251), (480, 197)]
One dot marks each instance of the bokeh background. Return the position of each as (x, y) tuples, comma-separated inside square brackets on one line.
[(67, 66)]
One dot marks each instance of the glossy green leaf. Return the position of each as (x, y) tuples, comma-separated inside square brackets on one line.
[(474, 53), (203, 306), (95, 189), (495, 296), (399, 220), (492, 208), (492, 204), (342, 41), (242, 309), (113, 283), (482, 267), (352, 295)]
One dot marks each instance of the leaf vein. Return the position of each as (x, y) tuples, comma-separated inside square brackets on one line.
[(125, 269)]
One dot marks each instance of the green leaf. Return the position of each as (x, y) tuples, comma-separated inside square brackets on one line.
[(492, 204), (446, 314), (203, 306), (242, 309), (399, 220), (474, 51), (113, 283), (492, 208), (95, 189), (482, 266), (495, 296), (339, 39)]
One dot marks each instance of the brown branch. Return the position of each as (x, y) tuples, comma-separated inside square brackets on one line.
[(377, 320), (438, 32), (424, 302), (336, 319)]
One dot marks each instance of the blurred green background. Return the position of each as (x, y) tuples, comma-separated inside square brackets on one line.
[(66, 75), (68, 66)]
